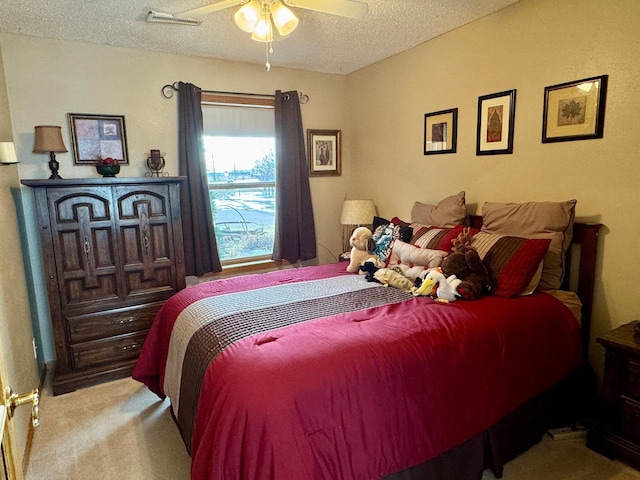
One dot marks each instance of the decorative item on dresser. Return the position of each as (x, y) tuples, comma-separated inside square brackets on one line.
[(48, 139), (618, 434), (112, 255)]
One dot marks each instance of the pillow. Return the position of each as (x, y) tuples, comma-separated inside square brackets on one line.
[(512, 262), (551, 220), (412, 260), (384, 236), (436, 238), (449, 212), (405, 230)]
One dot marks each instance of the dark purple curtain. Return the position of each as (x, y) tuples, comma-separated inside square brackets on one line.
[(200, 246), (295, 235)]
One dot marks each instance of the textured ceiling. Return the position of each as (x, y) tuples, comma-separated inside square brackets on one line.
[(322, 42)]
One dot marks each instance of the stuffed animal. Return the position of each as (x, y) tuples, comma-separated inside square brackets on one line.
[(369, 268), (362, 245), (437, 286), (465, 263), (390, 276)]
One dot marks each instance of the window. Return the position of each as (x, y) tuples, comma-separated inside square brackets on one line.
[(239, 143)]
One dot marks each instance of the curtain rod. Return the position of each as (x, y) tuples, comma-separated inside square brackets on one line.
[(167, 92)]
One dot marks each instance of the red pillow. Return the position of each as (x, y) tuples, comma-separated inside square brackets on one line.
[(511, 261), (436, 238)]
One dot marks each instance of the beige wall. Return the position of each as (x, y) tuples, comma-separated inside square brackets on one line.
[(530, 45)]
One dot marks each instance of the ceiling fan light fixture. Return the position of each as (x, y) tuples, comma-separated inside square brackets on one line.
[(248, 16), (284, 19), (264, 30)]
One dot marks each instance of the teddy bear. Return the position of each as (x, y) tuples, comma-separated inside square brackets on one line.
[(362, 246), (465, 263)]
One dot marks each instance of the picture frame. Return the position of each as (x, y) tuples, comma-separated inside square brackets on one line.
[(95, 137), (574, 110), (496, 120), (441, 132), (324, 152)]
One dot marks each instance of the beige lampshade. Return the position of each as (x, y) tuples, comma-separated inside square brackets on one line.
[(8, 153), (357, 212), (48, 139)]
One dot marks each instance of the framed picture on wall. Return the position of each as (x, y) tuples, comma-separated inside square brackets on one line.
[(324, 152), (440, 131), (574, 110), (496, 117), (94, 137)]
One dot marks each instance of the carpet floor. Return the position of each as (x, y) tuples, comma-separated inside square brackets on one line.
[(120, 430)]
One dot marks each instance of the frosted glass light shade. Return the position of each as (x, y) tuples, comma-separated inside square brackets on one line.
[(8, 153), (248, 15), (264, 30), (284, 19)]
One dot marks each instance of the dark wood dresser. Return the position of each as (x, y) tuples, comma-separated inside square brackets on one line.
[(617, 435), (112, 252)]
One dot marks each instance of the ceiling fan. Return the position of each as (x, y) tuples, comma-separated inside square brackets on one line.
[(266, 20)]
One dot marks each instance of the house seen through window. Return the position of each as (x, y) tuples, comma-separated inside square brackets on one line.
[(239, 144)]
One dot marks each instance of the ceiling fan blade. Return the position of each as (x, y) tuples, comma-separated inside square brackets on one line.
[(343, 8), (212, 7)]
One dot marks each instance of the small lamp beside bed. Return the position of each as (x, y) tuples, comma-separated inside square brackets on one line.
[(355, 213)]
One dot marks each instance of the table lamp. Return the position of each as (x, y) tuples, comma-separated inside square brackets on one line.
[(355, 213), (49, 140)]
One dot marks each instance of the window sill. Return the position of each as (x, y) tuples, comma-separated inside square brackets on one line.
[(234, 270)]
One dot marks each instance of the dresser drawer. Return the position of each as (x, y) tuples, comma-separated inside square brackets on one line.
[(109, 351), (631, 384), (93, 326), (630, 419)]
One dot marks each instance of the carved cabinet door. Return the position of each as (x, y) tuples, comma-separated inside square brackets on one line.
[(83, 235), (145, 224)]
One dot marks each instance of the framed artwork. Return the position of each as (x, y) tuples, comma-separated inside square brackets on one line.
[(324, 152), (496, 117), (440, 132), (574, 110), (94, 137)]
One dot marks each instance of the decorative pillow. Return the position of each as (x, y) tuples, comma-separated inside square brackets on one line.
[(436, 238), (412, 260), (384, 236), (512, 262), (552, 220), (450, 212), (405, 230)]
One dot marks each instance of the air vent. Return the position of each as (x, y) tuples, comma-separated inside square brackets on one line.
[(159, 17)]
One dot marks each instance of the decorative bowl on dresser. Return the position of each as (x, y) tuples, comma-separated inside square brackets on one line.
[(617, 435), (112, 252)]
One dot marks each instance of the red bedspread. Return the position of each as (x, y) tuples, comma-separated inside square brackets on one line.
[(362, 394)]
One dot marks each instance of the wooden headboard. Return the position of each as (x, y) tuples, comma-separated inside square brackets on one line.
[(584, 250)]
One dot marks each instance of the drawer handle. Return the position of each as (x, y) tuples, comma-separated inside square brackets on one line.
[(131, 347), (122, 321)]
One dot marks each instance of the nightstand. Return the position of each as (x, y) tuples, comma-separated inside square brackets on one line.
[(618, 434)]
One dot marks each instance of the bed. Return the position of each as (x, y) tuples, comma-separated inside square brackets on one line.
[(315, 373)]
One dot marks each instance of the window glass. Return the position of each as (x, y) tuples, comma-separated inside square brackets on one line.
[(239, 145)]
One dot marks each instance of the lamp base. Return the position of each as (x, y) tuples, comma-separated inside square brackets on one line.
[(54, 166)]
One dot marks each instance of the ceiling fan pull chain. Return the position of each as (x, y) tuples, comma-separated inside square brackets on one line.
[(268, 49)]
